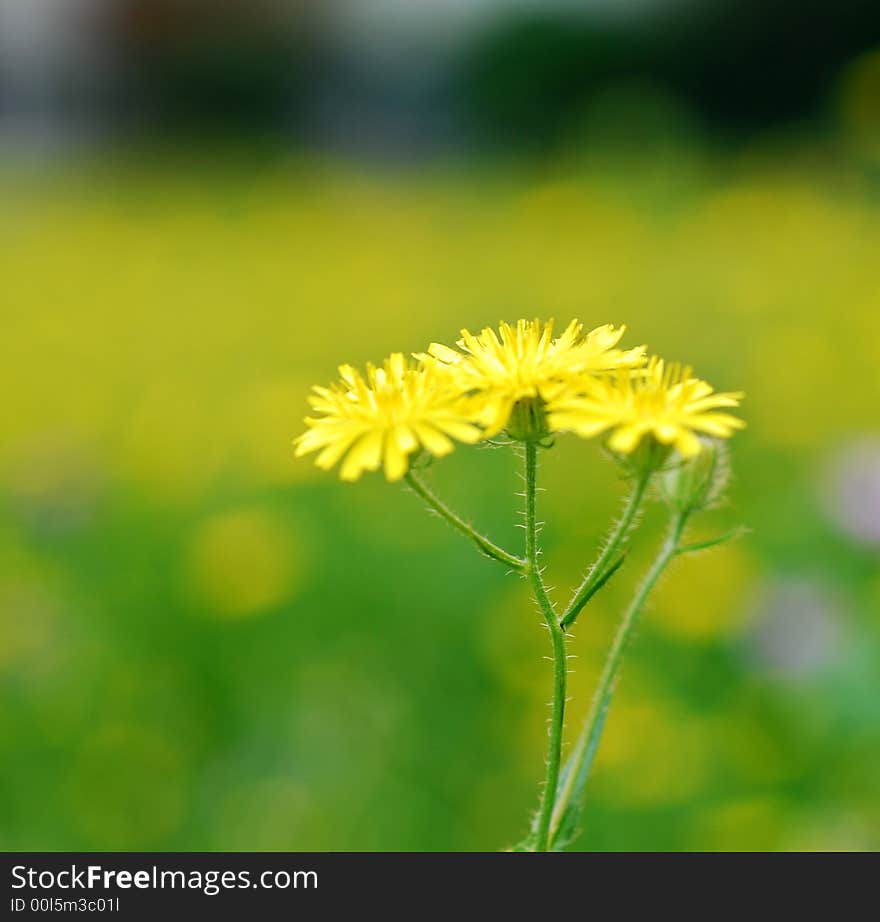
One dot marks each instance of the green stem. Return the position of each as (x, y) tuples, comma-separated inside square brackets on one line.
[(599, 573), (557, 637), (570, 800), (489, 548)]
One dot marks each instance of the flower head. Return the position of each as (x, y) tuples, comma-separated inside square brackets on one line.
[(525, 361), (663, 401), (381, 419)]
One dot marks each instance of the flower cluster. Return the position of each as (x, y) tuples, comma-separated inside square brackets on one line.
[(519, 380)]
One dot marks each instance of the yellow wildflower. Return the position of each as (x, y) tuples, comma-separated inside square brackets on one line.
[(525, 362), (663, 401), (382, 419)]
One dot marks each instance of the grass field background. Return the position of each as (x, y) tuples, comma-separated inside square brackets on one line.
[(207, 644)]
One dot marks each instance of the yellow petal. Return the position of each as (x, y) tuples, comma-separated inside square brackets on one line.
[(436, 442), (334, 451), (666, 433), (687, 444), (495, 414), (397, 365), (718, 424), (458, 429), (404, 438), (585, 427), (396, 461), (444, 353), (627, 438), (349, 375), (365, 455)]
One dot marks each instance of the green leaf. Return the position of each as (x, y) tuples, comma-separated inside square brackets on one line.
[(713, 542)]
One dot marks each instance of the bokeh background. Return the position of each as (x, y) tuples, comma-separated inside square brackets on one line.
[(206, 206)]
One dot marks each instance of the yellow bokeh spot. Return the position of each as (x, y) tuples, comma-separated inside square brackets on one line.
[(653, 752), (754, 824), (834, 830), (699, 599), (242, 563)]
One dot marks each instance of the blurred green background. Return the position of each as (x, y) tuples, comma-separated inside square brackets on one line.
[(206, 644)]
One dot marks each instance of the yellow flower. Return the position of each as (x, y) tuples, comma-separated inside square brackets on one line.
[(526, 362), (383, 418), (664, 401)]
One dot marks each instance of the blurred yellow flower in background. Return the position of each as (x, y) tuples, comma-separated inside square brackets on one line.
[(242, 563), (526, 362), (383, 419), (664, 402)]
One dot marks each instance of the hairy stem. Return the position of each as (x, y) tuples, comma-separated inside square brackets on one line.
[(489, 548), (609, 559), (569, 803), (557, 637)]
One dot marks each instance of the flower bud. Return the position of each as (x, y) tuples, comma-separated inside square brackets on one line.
[(648, 457), (699, 482)]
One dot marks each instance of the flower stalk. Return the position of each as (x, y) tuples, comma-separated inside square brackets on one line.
[(557, 639), (486, 546)]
